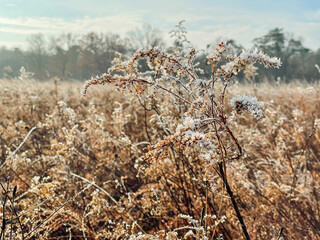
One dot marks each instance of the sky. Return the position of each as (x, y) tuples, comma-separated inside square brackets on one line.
[(206, 21)]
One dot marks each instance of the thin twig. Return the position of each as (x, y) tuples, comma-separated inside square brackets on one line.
[(18, 148), (13, 211), (280, 233), (62, 206), (108, 194), (36, 206)]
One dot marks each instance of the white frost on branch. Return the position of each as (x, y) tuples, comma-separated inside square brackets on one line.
[(254, 55), (250, 104), (248, 57)]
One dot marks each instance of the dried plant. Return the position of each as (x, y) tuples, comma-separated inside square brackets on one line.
[(204, 124)]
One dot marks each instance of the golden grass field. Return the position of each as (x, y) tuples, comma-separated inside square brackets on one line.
[(77, 175)]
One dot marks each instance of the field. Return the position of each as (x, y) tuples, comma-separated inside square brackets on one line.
[(78, 173)]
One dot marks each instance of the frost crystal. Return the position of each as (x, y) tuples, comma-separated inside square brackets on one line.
[(250, 104), (191, 123)]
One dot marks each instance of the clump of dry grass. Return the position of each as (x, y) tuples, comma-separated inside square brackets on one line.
[(80, 174)]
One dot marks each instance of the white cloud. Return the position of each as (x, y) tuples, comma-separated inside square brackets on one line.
[(24, 27), (119, 24), (244, 26), (239, 24), (313, 15)]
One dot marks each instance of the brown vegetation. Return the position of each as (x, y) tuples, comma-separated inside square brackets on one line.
[(101, 139), (178, 158)]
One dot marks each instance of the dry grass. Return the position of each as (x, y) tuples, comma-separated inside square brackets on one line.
[(101, 138)]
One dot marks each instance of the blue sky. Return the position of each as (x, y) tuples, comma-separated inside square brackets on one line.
[(206, 21)]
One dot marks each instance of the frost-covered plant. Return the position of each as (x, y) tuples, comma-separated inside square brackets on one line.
[(24, 75), (7, 70), (193, 230), (205, 121), (250, 104)]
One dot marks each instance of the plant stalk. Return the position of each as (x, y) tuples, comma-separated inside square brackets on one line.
[(234, 203)]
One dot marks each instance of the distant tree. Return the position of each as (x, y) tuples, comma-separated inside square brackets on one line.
[(98, 51), (273, 42), (144, 37), (113, 43), (66, 53), (37, 55), (277, 43), (302, 66), (11, 61)]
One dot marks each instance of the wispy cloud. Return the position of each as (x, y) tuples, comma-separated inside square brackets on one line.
[(120, 24), (205, 21), (313, 15), (17, 30)]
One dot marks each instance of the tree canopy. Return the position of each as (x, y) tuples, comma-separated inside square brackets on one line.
[(71, 56)]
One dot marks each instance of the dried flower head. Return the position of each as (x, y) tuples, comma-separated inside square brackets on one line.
[(244, 103)]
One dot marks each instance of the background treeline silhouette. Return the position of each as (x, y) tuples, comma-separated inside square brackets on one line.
[(79, 57)]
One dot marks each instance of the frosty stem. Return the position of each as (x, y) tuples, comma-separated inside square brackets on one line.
[(234, 203)]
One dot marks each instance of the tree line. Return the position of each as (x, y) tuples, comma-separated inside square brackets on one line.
[(70, 56)]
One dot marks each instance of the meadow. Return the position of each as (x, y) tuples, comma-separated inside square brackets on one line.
[(73, 167)]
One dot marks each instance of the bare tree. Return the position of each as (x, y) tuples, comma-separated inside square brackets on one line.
[(66, 53), (144, 37), (98, 50), (38, 53)]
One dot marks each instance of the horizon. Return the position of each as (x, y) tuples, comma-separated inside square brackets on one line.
[(206, 21)]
